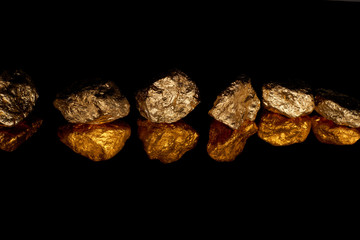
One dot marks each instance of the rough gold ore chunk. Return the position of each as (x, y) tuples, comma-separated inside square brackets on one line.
[(327, 131), (338, 107), (291, 99), (97, 142), (225, 144), (92, 102), (236, 104), (282, 131), (167, 142), (168, 99), (12, 137), (17, 97)]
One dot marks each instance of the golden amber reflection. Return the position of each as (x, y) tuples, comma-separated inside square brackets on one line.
[(282, 131), (225, 144), (12, 137), (327, 131), (167, 142), (97, 142)]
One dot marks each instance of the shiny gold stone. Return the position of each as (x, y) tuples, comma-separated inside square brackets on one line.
[(12, 137), (169, 98), (18, 96), (225, 144), (337, 107), (94, 101), (328, 132), (167, 142), (97, 142), (236, 104), (291, 99), (282, 131)]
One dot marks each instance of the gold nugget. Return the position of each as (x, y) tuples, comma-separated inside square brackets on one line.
[(225, 144), (327, 131), (12, 137), (94, 101), (169, 98), (282, 131), (18, 96), (291, 99), (338, 107), (97, 142), (236, 104), (167, 142)]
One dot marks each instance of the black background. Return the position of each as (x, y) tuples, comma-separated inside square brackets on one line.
[(213, 44)]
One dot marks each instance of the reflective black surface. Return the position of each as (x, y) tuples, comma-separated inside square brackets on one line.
[(318, 44)]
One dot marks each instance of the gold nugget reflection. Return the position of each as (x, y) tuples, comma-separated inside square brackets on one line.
[(279, 130), (97, 142), (167, 142), (225, 144), (12, 137), (328, 132)]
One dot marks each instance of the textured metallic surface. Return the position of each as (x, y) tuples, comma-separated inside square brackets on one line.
[(236, 104), (225, 144), (167, 142), (328, 132), (281, 131), (12, 137), (168, 99), (97, 142), (292, 99), (17, 97), (337, 107), (92, 102)]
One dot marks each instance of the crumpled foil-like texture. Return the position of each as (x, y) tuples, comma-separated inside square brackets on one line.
[(282, 131), (328, 132), (168, 99), (236, 104), (337, 107), (167, 142), (97, 142), (92, 102), (17, 97), (225, 144), (12, 137), (291, 99)]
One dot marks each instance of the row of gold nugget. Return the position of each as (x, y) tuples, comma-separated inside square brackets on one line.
[(93, 109)]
